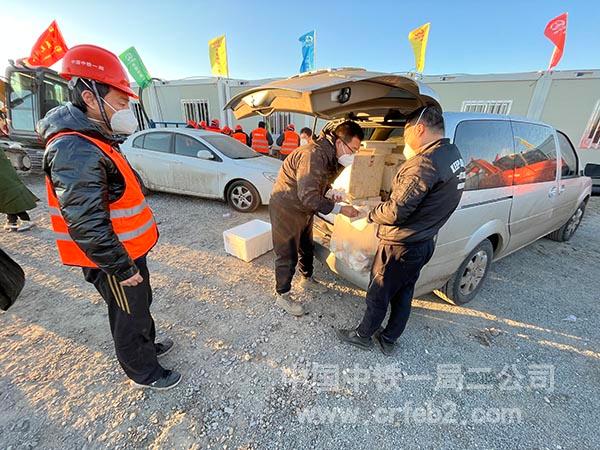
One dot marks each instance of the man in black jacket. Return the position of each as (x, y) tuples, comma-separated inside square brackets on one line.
[(425, 192), (86, 182), (298, 194)]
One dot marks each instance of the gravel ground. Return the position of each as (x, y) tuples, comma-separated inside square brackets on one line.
[(516, 368)]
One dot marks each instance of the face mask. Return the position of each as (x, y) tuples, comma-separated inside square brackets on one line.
[(122, 121), (346, 160), (303, 141), (409, 152)]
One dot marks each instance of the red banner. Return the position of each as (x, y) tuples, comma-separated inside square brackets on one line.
[(556, 31), (49, 48)]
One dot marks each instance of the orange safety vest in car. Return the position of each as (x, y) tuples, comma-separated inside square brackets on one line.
[(240, 137), (290, 142), (260, 143), (130, 216)]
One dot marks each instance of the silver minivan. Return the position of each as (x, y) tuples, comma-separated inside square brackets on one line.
[(523, 177)]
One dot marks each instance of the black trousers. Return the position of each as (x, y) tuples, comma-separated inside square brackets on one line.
[(292, 244), (394, 273), (131, 323), (12, 218)]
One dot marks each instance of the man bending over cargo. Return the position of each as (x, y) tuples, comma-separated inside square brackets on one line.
[(425, 192), (298, 194)]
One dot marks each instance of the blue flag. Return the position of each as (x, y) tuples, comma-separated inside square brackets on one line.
[(308, 51)]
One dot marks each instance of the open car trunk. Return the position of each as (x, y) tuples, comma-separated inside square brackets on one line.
[(337, 93), (380, 103)]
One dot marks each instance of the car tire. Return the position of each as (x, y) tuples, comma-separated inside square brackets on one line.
[(24, 162), (470, 276), (243, 197), (566, 232)]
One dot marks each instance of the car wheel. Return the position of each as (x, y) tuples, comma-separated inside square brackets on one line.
[(243, 197), (468, 279), (567, 231), (24, 162)]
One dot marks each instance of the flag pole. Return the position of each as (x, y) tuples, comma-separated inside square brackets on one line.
[(226, 57), (315, 49)]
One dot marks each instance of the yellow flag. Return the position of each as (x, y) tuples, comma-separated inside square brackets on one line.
[(217, 49), (418, 39)]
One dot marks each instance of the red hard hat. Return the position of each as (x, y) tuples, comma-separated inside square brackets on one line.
[(214, 123), (98, 64), (291, 127), (226, 130), (238, 128), (203, 124)]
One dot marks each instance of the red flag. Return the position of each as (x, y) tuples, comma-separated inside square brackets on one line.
[(556, 31), (49, 48)]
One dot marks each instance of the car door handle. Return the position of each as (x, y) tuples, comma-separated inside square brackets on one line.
[(562, 189), (552, 192)]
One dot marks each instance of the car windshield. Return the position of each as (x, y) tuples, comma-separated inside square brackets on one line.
[(230, 147)]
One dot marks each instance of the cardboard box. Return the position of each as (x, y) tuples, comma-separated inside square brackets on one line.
[(249, 240), (392, 165), (379, 147), (376, 151), (365, 175), (389, 173), (394, 159)]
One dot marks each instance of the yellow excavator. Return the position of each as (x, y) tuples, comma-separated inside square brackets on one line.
[(26, 95)]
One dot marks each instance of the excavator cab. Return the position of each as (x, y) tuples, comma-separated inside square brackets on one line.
[(29, 93)]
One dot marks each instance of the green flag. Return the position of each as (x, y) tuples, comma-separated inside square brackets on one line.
[(136, 67)]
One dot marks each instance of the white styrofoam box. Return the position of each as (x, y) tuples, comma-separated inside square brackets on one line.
[(249, 240)]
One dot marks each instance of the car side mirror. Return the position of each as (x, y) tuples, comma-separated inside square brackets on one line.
[(592, 170), (205, 154)]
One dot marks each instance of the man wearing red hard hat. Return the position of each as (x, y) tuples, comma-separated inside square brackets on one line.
[(215, 126), (240, 135), (99, 216), (288, 141)]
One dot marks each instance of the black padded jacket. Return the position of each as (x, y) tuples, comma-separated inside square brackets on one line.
[(425, 192), (305, 177), (85, 181)]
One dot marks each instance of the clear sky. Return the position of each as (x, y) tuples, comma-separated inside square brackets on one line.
[(262, 37)]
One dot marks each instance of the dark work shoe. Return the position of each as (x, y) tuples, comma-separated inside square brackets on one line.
[(387, 348), (169, 380), (290, 304), (163, 347), (309, 284), (351, 337)]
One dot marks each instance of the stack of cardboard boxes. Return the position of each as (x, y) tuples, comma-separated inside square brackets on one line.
[(354, 241)]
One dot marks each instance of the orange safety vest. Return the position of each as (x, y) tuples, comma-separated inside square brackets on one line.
[(130, 216), (260, 143), (240, 137), (290, 142)]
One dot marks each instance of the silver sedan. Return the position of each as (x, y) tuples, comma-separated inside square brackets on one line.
[(204, 164)]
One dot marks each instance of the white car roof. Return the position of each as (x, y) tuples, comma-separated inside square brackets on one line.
[(182, 130)]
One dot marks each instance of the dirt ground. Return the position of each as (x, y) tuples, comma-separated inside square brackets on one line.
[(516, 368)]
